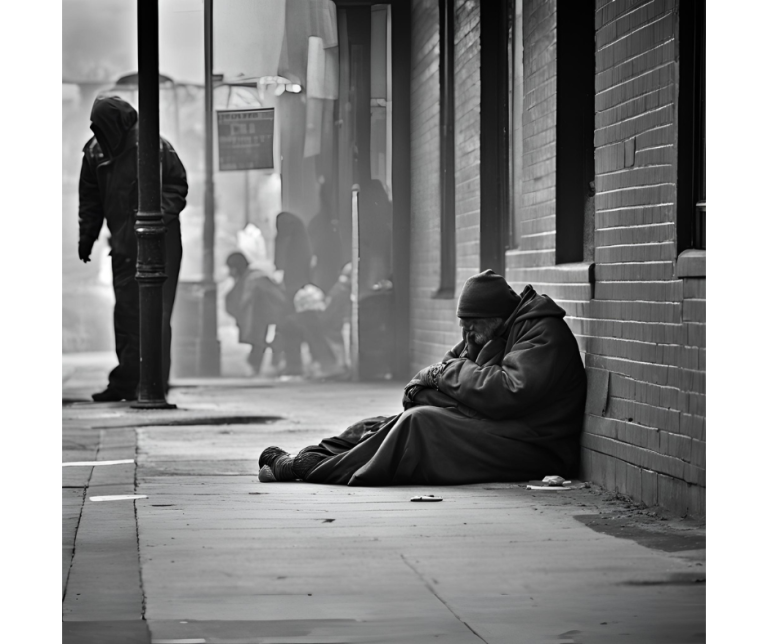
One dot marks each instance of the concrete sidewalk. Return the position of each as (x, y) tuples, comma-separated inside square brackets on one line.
[(213, 556)]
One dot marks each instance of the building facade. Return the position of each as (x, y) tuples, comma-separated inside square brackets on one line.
[(562, 144)]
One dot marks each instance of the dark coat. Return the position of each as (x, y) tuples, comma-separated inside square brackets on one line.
[(255, 302), (109, 178), (293, 253), (509, 411)]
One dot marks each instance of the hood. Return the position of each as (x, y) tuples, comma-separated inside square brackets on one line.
[(111, 119), (292, 247), (288, 224), (532, 305)]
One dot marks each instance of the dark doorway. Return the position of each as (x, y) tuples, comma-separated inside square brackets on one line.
[(372, 161)]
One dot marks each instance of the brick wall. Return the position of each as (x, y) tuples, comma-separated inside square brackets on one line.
[(640, 327), (639, 319), (433, 321), (645, 325)]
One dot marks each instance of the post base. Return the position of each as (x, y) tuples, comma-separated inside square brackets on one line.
[(153, 404)]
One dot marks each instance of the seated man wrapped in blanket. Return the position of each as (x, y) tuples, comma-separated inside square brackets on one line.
[(505, 404)]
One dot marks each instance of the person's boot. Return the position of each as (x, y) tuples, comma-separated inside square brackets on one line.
[(112, 395)]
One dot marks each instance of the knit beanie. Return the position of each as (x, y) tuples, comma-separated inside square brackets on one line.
[(487, 295)]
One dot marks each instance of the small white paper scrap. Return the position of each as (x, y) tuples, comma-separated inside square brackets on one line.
[(95, 463), (550, 488), (119, 497)]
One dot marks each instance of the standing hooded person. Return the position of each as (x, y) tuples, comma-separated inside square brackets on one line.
[(109, 190), (293, 258), (323, 231), (505, 404)]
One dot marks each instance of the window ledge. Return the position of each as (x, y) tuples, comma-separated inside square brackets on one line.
[(692, 263), (578, 273), (444, 293)]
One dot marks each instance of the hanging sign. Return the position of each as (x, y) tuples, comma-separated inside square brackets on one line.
[(245, 139)]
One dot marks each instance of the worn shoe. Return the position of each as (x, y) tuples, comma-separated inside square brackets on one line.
[(279, 462), (111, 395), (266, 475), (270, 455)]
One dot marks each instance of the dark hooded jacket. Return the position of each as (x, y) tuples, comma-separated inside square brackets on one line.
[(531, 371), (109, 178)]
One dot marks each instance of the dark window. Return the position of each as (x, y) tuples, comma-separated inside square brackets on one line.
[(692, 149), (575, 148), (515, 110), (447, 152), (494, 134), (700, 135)]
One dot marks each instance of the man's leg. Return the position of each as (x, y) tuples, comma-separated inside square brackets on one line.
[(172, 267), (292, 337), (314, 334), (124, 378)]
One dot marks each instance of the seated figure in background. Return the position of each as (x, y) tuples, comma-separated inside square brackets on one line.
[(505, 404), (320, 319), (255, 302)]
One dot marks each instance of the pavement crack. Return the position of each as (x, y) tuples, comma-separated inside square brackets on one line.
[(442, 601), (136, 521), (77, 526)]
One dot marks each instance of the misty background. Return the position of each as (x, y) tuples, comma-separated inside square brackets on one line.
[(99, 46)]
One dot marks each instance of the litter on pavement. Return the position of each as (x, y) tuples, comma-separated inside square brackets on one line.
[(118, 497), (549, 483), (95, 463), (426, 498), (554, 480)]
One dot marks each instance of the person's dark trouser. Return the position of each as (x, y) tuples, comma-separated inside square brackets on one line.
[(124, 378), (290, 335), (314, 333)]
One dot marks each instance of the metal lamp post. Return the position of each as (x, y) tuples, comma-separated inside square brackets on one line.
[(209, 349), (150, 230)]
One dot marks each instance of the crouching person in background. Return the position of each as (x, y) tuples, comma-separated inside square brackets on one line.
[(320, 320), (255, 302)]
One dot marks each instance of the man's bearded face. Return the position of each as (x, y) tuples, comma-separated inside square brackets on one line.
[(479, 330)]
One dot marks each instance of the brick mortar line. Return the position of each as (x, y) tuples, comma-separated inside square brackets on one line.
[(636, 31), (637, 96)]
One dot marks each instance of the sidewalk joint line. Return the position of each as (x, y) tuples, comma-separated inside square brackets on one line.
[(442, 601), (77, 527), (136, 521)]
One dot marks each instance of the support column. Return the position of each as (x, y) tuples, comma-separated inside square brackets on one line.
[(209, 351), (150, 230)]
